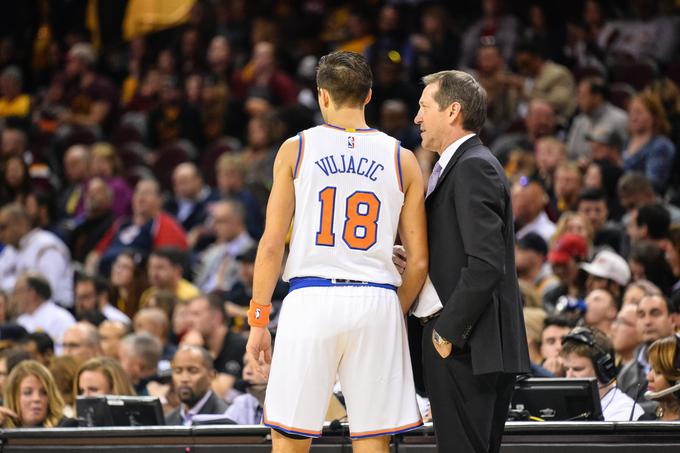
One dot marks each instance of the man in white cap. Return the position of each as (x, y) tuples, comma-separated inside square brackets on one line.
[(608, 271)]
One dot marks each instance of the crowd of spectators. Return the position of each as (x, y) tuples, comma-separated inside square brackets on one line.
[(134, 177)]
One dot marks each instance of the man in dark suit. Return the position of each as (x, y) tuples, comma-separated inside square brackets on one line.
[(474, 342), (192, 374)]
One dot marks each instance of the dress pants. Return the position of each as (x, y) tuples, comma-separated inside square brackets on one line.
[(469, 411)]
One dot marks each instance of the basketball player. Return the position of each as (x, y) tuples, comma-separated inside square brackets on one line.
[(351, 189)]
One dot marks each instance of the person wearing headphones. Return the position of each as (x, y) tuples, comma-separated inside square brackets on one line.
[(588, 353), (663, 379)]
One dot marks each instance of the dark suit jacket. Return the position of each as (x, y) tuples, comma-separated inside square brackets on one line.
[(472, 261), (198, 214), (214, 405)]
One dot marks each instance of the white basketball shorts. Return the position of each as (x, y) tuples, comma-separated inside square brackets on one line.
[(356, 333)]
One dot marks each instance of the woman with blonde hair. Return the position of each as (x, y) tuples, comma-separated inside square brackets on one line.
[(663, 379), (573, 222), (32, 399), (101, 376)]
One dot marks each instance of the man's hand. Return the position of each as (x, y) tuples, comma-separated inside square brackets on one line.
[(555, 366), (259, 341), (399, 258), (442, 346)]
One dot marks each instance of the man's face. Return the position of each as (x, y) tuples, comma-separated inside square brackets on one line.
[(185, 182), (653, 319), (637, 233), (76, 166), (201, 316), (97, 197), (586, 100), (22, 295), (190, 376), (226, 222), (130, 364), (526, 260), (566, 272), (567, 182), (76, 345), (111, 333), (162, 273), (85, 297), (577, 366), (540, 120), (595, 211), (433, 122), (146, 200), (11, 231), (145, 323), (551, 341), (599, 307)]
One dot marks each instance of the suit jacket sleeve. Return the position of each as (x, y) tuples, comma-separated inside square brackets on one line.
[(479, 199)]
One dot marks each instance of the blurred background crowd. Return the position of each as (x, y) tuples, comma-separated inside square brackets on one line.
[(136, 148)]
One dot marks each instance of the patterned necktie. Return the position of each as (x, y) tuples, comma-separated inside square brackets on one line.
[(434, 176)]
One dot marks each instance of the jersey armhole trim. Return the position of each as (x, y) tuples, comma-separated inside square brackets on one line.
[(301, 152), (397, 165)]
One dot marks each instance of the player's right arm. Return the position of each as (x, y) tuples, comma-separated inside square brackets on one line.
[(412, 231), (280, 209)]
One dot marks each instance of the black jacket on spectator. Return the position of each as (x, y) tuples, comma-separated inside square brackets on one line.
[(214, 405)]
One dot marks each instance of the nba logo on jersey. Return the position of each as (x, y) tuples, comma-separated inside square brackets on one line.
[(350, 142)]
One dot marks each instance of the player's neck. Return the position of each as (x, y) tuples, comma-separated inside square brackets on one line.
[(347, 118)]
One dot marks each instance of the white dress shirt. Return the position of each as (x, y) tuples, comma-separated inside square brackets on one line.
[(428, 302), (49, 318)]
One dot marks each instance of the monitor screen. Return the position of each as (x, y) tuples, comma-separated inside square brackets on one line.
[(558, 399), (112, 410)]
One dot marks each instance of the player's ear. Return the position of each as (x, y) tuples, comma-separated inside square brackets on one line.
[(368, 96)]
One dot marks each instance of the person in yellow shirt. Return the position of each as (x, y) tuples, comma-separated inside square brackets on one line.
[(165, 273), (12, 102)]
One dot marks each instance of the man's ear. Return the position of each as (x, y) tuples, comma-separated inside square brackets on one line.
[(324, 97), (454, 112), (368, 96)]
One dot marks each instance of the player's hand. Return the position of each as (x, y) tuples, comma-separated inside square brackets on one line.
[(259, 341), (443, 349), (399, 258)]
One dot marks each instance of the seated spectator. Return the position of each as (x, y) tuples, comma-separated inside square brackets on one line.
[(191, 197), (648, 261), (654, 321), (554, 329), (166, 265), (39, 345), (568, 186), (172, 118), (635, 190), (606, 145), (76, 164), (395, 121), (31, 399), (496, 25), (248, 408), (106, 164), (111, 332), (601, 310), (673, 255), (155, 322), (192, 376), (96, 220), (216, 267), (209, 318), (128, 280), (596, 113), (230, 174), (37, 311), (588, 353), (139, 355), (93, 295), (625, 336), (534, 317), (574, 223), (12, 102), (101, 376), (638, 289), (149, 228), (82, 342), (539, 122), (36, 250), (649, 150), (528, 202), (663, 377), (550, 154), (592, 204), (544, 79), (608, 271), (649, 222), (532, 267), (565, 257)]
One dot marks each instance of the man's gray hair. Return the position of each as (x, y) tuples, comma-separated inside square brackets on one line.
[(460, 87), (145, 347)]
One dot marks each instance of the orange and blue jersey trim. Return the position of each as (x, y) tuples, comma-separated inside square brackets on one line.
[(350, 129), (387, 432), (397, 165), (306, 282), (301, 152), (289, 429)]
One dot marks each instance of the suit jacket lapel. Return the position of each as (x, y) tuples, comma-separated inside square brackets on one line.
[(467, 144)]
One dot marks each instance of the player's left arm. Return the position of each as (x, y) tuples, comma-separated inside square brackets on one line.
[(412, 231), (280, 209)]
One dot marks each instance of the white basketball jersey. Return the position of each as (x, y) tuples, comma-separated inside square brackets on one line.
[(348, 199)]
